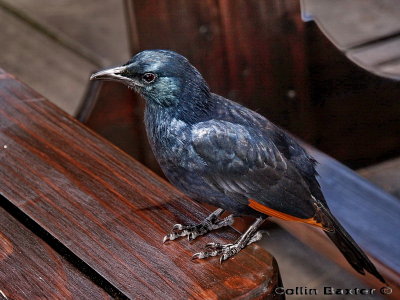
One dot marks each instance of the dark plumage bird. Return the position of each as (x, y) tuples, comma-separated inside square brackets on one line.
[(219, 152)]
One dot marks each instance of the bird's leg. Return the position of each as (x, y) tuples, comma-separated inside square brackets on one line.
[(228, 250), (193, 231)]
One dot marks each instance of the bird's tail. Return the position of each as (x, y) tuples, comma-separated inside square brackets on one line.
[(350, 250)]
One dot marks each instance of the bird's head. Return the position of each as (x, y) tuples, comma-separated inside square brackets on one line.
[(164, 78)]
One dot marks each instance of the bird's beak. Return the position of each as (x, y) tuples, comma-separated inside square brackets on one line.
[(113, 74)]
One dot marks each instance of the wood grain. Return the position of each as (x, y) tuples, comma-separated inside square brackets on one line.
[(110, 211), (31, 269)]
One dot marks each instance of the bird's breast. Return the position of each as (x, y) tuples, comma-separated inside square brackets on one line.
[(170, 141)]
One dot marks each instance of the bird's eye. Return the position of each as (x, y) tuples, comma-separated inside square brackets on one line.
[(149, 77)]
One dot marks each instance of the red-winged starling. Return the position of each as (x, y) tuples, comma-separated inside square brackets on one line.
[(220, 152)]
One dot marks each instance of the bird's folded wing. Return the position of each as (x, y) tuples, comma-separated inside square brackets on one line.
[(244, 164)]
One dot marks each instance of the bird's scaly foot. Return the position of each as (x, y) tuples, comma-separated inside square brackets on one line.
[(228, 250), (193, 231)]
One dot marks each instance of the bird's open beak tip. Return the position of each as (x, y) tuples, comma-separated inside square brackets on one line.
[(101, 75), (108, 74)]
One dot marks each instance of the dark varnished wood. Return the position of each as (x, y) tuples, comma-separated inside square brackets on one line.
[(110, 211), (357, 113), (31, 269), (116, 113)]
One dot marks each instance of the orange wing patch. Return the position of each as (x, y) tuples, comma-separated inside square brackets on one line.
[(274, 213)]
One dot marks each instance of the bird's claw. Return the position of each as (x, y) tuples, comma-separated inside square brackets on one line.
[(215, 249), (228, 250), (257, 236), (211, 246), (193, 231), (177, 227)]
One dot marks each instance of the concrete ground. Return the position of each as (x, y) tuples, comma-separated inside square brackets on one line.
[(54, 46)]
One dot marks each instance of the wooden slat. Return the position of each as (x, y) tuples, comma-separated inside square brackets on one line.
[(350, 23), (352, 197), (367, 31), (48, 276), (110, 211), (23, 46), (382, 57), (115, 112), (64, 22), (386, 175)]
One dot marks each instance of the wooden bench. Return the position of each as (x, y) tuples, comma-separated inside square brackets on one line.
[(81, 219)]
